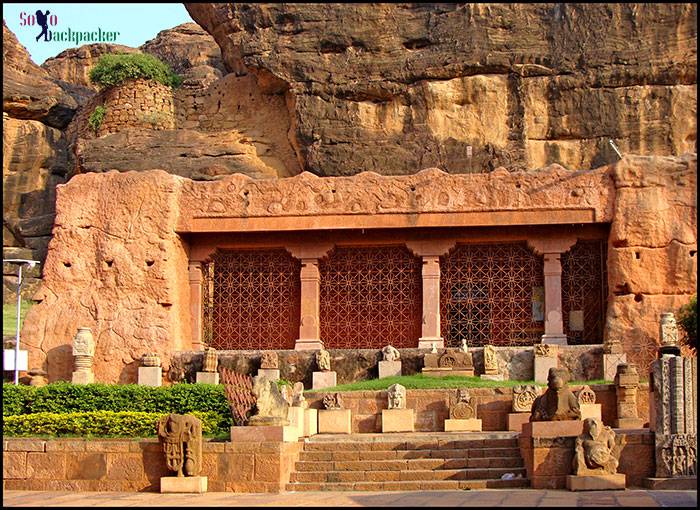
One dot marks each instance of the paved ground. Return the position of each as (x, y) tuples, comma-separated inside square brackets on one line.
[(472, 498)]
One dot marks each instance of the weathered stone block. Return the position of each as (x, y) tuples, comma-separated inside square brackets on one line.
[(517, 420), (628, 423), (295, 415), (492, 377), (591, 411), (310, 422), (542, 366), (397, 420), (596, 482), (259, 433), (183, 484), (389, 368), (208, 377), (468, 425), (334, 421), (150, 376), (323, 380), (553, 428), (270, 373), (83, 377)]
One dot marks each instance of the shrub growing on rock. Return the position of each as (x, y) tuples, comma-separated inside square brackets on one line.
[(112, 70), (96, 118), (688, 321)]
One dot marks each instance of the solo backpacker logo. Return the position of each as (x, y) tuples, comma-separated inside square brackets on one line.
[(46, 19)]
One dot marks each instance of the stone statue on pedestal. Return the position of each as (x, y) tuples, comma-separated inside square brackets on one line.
[(323, 360), (390, 353), (181, 437), (397, 396), (558, 402), (597, 450), (271, 406)]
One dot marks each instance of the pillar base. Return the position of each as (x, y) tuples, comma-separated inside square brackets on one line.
[(427, 342), (558, 339), (308, 344)]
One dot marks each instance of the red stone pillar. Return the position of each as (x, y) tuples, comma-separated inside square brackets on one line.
[(195, 278)]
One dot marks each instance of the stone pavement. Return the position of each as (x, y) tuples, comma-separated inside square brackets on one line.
[(472, 498)]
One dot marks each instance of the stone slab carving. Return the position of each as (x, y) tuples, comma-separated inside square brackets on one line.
[(586, 395), (150, 359), (546, 350), (298, 399), (390, 353), (668, 329), (397, 396), (181, 439), (269, 360), (490, 360), (450, 358), (676, 455), (558, 402), (463, 407), (271, 407), (332, 401), (523, 397), (597, 450), (464, 347), (210, 361), (323, 360)]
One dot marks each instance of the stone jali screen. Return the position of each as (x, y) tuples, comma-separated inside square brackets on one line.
[(251, 299), (370, 297), (490, 294)]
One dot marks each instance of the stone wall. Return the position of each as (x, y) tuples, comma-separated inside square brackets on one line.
[(137, 465), (432, 406)]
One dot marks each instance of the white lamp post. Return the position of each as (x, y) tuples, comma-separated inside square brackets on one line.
[(21, 263)]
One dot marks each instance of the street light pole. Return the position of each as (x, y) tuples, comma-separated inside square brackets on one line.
[(21, 263)]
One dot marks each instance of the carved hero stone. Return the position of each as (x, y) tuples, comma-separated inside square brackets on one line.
[(558, 402), (181, 438), (323, 360), (597, 450), (462, 409), (269, 359), (397, 396)]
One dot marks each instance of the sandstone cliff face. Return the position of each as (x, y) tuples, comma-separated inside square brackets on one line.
[(393, 88)]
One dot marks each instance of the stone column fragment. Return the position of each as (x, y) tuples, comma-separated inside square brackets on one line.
[(195, 279)]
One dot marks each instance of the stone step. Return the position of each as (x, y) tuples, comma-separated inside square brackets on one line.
[(410, 485), (409, 464), (325, 456), (468, 444), (401, 475)]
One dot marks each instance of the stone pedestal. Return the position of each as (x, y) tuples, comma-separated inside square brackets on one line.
[(516, 421), (492, 377), (334, 421), (427, 342), (183, 484), (208, 377), (310, 422), (295, 415), (83, 377), (397, 420), (271, 373), (323, 380), (542, 366), (681, 483), (469, 425), (610, 362), (553, 428), (629, 423), (260, 433), (596, 482), (389, 368), (150, 376), (591, 411)]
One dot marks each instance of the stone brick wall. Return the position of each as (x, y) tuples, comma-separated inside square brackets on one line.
[(137, 465), (432, 406)]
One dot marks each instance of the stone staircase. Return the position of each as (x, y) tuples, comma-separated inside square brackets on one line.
[(409, 461)]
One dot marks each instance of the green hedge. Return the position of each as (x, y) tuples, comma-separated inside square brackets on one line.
[(64, 397), (115, 69), (96, 423)]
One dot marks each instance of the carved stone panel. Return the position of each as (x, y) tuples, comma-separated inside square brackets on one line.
[(332, 401), (523, 397), (397, 396), (462, 407), (181, 439), (269, 360), (586, 395), (676, 455)]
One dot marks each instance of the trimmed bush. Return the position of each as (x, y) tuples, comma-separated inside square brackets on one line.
[(688, 320), (96, 118), (96, 423), (64, 397), (112, 70)]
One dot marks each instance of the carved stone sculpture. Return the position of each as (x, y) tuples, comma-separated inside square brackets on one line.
[(150, 359), (390, 353), (558, 402), (271, 406), (523, 397), (269, 360), (586, 395), (668, 330), (298, 399), (597, 450), (678, 455), (462, 408), (546, 350), (626, 385), (83, 352), (332, 401), (490, 360), (464, 347), (38, 377), (181, 437), (323, 360), (211, 360), (397, 396)]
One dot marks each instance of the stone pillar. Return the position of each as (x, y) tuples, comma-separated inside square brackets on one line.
[(553, 321), (195, 277), (430, 333), (309, 326), (83, 353), (626, 385)]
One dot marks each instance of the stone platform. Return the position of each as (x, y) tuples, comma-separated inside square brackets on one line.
[(595, 482)]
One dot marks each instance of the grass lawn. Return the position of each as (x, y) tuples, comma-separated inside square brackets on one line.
[(420, 381), (9, 316)]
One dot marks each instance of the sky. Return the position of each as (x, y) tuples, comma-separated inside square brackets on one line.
[(135, 24)]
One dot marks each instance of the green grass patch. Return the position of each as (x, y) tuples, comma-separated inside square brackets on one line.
[(9, 316), (422, 382)]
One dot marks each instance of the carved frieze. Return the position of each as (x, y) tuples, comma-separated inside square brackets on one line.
[(676, 455)]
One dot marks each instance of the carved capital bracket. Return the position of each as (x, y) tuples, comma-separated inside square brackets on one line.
[(436, 248), (308, 252), (552, 245), (195, 271)]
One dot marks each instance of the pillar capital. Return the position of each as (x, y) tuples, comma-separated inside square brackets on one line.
[(309, 251), (547, 245), (433, 248)]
